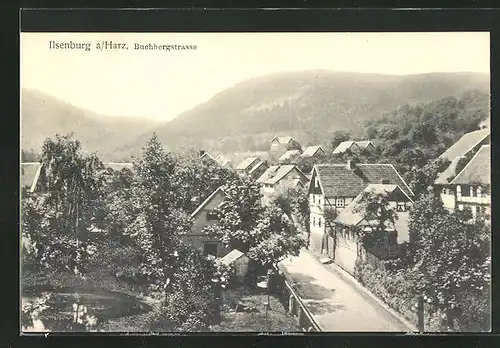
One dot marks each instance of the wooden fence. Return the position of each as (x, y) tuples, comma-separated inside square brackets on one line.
[(291, 300)]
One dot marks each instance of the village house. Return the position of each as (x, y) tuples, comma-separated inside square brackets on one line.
[(354, 146), (205, 157), (247, 165), (315, 151), (223, 162), (258, 170), (280, 145), (344, 246), (333, 187), (277, 179), (471, 187), (203, 216), (464, 148), (290, 155)]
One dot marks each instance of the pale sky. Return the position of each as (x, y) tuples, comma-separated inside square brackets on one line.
[(162, 84)]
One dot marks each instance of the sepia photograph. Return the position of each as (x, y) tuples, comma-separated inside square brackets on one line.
[(255, 182)]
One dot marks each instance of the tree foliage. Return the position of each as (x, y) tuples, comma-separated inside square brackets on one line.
[(56, 223)]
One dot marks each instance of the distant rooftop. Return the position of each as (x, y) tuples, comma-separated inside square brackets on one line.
[(311, 151), (465, 144), (478, 170)]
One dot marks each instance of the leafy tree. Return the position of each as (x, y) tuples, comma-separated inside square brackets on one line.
[(380, 215), (198, 180), (238, 214), (451, 257), (267, 234), (338, 137), (420, 178), (157, 222), (57, 221), (275, 237)]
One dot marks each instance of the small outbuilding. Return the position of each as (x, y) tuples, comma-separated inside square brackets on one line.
[(240, 261)]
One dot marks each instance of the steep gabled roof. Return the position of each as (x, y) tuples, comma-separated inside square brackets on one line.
[(283, 140), (352, 216), (275, 173), (246, 163), (448, 173), (311, 151), (289, 154), (364, 144), (222, 161), (344, 146), (337, 180), (208, 156), (255, 167), (30, 172), (232, 256), (206, 201), (465, 144), (478, 170)]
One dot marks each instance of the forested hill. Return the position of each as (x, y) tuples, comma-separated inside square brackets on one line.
[(429, 128), (43, 116), (308, 105)]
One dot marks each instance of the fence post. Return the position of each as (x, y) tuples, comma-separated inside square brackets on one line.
[(291, 304)]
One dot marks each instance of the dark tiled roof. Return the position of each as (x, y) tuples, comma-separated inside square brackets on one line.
[(465, 144), (478, 170), (337, 180)]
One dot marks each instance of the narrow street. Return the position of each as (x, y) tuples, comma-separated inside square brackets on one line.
[(335, 303)]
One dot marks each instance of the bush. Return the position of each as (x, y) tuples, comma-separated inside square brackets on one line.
[(390, 287)]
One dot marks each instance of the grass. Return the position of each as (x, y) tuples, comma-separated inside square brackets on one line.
[(278, 320)]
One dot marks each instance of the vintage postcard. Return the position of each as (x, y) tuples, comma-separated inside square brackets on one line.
[(255, 182)]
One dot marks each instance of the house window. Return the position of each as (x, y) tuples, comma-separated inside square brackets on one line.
[(466, 191), (401, 206), (339, 202), (479, 191), (460, 207), (316, 182), (211, 215), (459, 190), (319, 201), (319, 222), (473, 191), (314, 221), (314, 198), (210, 249)]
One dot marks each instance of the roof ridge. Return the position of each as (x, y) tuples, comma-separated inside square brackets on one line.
[(468, 163)]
